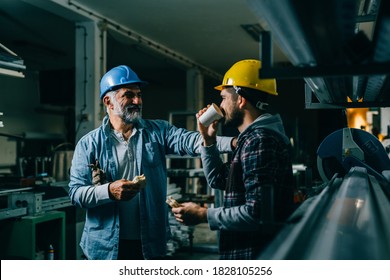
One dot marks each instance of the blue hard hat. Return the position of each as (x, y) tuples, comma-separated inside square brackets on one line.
[(118, 77)]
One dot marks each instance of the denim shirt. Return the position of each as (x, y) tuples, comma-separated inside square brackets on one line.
[(158, 138)]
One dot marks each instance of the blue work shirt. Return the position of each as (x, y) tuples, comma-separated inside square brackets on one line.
[(158, 138)]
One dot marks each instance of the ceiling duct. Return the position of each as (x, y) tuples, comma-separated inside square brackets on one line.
[(329, 48), (10, 63), (378, 86)]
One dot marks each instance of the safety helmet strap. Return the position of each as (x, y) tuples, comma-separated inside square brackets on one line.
[(258, 104)]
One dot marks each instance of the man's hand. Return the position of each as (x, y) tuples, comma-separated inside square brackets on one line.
[(124, 189), (190, 213), (209, 133)]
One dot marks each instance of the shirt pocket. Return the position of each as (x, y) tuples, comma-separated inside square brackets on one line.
[(151, 156)]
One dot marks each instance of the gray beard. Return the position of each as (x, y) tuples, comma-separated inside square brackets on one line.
[(133, 118), (126, 116)]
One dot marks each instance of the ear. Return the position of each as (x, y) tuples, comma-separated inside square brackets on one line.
[(107, 101), (241, 102)]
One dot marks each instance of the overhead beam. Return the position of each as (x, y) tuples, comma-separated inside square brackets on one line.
[(291, 72), (141, 40)]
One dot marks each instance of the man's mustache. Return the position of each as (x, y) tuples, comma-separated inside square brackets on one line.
[(134, 107)]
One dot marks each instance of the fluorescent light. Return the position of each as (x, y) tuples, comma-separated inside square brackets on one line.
[(10, 63), (12, 73)]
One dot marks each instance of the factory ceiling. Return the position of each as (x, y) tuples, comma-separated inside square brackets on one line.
[(340, 48)]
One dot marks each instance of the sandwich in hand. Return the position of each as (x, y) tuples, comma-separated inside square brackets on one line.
[(141, 180), (172, 202)]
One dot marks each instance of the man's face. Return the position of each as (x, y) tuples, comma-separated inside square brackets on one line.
[(234, 117), (127, 104)]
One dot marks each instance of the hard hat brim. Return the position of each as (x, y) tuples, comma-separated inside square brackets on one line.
[(221, 87), (140, 83)]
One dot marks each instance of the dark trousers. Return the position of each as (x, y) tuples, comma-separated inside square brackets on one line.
[(130, 250)]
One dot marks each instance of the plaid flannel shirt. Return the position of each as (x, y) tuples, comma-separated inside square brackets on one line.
[(261, 166)]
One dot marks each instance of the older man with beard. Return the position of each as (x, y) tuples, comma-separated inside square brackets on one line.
[(126, 218)]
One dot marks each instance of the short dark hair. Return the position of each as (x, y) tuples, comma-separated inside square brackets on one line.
[(253, 95)]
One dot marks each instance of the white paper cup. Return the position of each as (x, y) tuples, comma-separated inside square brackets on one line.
[(212, 114)]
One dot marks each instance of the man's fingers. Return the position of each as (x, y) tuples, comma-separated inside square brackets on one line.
[(179, 218), (130, 186)]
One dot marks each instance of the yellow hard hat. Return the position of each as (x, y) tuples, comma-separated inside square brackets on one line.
[(245, 73)]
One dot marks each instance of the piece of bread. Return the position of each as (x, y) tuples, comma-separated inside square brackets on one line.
[(141, 179), (172, 202)]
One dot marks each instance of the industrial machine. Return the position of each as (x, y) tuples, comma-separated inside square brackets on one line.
[(341, 50), (35, 209), (348, 147), (348, 219)]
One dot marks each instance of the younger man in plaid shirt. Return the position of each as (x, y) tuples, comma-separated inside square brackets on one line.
[(258, 182)]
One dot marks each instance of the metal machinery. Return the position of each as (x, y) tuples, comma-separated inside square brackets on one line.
[(35, 210), (349, 218), (186, 182), (30, 200), (341, 48), (33, 189)]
